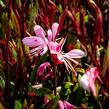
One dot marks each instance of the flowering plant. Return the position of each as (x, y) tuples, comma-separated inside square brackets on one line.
[(54, 54)]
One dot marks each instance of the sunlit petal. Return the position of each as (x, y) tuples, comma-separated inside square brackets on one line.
[(49, 33), (33, 41), (75, 53), (60, 104), (67, 105), (92, 86), (54, 30), (84, 82), (39, 31), (87, 81)]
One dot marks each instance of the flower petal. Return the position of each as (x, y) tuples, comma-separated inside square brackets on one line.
[(60, 104), (84, 82), (32, 41), (67, 105), (94, 72), (54, 30), (49, 33), (88, 80), (92, 86), (42, 67), (46, 100), (39, 31), (75, 53), (54, 47)]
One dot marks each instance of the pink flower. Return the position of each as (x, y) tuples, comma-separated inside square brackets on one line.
[(46, 100), (87, 81), (66, 58), (65, 105), (44, 70), (40, 41)]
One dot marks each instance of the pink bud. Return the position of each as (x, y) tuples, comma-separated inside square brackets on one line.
[(46, 100)]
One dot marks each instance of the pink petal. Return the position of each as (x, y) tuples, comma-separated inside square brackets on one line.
[(42, 67), (49, 33), (39, 31), (92, 76), (60, 104), (84, 82), (67, 105), (92, 86), (54, 47), (88, 80), (46, 100), (47, 75), (32, 41), (75, 53), (94, 72), (54, 30)]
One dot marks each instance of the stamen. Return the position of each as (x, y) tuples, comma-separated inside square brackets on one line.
[(76, 62), (35, 49), (70, 66), (67, 66)]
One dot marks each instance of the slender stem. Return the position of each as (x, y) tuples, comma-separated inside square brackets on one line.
[(100, 105), (55, 80)]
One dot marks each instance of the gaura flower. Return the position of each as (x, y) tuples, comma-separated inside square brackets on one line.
[(40, 41), (65, 105), (44, 70), (66, 58), (87, 81)]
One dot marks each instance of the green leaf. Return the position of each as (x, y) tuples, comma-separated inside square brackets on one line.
[(86, 18), (15, 23), (25, 103), (68, 84), (80, 70), (52, 104), (78, 16), (66, 90), (2, 4), (18, 105), (76, 87), (46, 92)]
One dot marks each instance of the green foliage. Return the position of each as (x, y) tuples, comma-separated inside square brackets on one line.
[(66, 90), (52, 103), (18, 104)]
